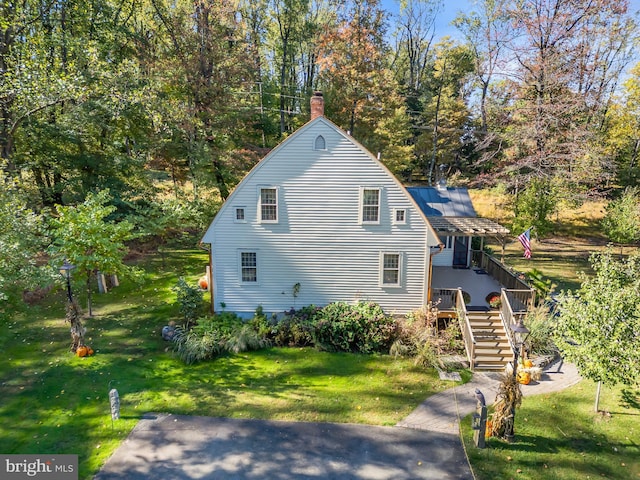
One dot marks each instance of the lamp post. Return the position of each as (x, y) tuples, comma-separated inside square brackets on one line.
[(520, 336), (65, 271)]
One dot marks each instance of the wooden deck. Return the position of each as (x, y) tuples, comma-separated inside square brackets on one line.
[(487, 334), (472, 280)]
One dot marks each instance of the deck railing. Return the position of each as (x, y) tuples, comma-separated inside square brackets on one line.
[(514, 306), (497, 270), (445, 298)]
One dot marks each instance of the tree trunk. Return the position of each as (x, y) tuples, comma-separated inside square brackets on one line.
[(597, 397), (89, 303)]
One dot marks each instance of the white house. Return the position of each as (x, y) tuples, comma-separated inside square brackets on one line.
[(319, 220)]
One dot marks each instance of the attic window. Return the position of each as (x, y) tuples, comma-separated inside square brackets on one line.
[(399, 216), (320, 143), (240, 218)]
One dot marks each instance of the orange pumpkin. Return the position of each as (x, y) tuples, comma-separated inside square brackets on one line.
[(524, 377), (82, 351), (528, 363), (203, 283), (90, 351)]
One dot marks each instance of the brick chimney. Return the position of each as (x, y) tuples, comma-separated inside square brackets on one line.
[(317, 105)]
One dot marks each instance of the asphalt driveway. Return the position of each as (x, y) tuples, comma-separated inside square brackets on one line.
[(166, 447)]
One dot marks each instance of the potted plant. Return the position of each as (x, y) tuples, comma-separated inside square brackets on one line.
[(494, 300)]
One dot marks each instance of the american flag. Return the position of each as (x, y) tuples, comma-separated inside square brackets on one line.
[(525, 240)]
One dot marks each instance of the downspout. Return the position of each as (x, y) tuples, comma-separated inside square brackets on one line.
[(431, 255)]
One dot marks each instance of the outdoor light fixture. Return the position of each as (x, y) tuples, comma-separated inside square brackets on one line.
[(520, 336), (65, 271), (521, 333)]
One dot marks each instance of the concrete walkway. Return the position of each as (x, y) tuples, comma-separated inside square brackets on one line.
[(165, 447), (440, 412)]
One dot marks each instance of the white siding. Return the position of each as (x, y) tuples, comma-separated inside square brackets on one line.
[(445, 257), (318, 241)]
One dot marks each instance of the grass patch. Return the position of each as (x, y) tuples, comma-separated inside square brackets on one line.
[(561, 256), (55, 402), (559, 436)]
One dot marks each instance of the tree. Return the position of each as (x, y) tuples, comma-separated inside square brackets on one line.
[(445, 112), (623, 130), (415, 35), (567, 57), (289, 16), (22, 238), (599, 327), (87, 239), (354, 70), (534, 205), (205, 72), (621, 223), (487, 33)]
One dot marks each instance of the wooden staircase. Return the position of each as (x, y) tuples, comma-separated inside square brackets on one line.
[(492, 348)]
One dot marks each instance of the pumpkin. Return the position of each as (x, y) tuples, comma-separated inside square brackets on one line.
[(203, 283), (82, 351), (90, 351), (524, 377), (528, 363)]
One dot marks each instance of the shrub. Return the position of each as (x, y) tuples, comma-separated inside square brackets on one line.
[(296, 329), (191, 346), (363, 327), (191, 300), (213, 336), (243, 339), (543, 286), (539, 321), (261, 324), (419, 337)]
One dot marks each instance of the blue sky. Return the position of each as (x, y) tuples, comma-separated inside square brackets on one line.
[(451, 9), (448, 13)]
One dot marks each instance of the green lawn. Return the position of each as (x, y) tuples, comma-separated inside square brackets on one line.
[(54, 402), (560, 437)]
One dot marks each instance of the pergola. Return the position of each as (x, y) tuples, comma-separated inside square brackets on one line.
[(470, 227)]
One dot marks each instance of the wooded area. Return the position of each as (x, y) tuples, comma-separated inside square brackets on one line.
[(168, 103)]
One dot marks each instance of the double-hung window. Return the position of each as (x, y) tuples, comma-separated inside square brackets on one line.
[(370, 199), (391, 269), (249, 267), (268, 205)]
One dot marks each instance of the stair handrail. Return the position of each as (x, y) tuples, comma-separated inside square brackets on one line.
[(510, 317), (465, 327)]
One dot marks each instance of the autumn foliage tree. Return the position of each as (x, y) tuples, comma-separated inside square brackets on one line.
[(362, 92)]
